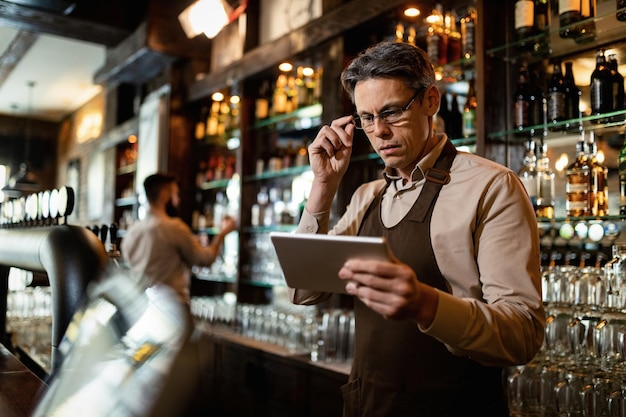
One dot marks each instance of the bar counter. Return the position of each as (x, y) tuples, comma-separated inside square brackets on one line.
[(19, 387)]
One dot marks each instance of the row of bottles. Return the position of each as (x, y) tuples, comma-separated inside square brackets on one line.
[(276, 207), (561, 101), (445, 43), (221, 116), (293, 88), (575, 22), (218, 166), (457, 123)]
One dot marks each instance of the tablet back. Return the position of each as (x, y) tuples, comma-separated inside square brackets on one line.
[(312, 261)]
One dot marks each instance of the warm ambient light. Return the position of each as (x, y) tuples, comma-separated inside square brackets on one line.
[(208, 17), (412, 12), (285, 66)]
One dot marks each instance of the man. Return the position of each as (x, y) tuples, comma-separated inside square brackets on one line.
[(162, 248), (462, 297)]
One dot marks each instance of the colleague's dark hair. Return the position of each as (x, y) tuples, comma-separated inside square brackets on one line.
[(154, 183), (390, 60)]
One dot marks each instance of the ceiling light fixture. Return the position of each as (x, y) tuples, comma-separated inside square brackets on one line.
[(209, 17)]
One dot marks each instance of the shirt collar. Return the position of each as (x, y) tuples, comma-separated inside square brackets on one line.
[(428, 161)]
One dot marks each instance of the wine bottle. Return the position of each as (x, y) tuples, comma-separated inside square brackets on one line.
[(556, 98), (434, 35), (455, 125), (523, 103), (572, 98), (617, 88), (621, 10), (443, 115), (601, 88), (586, 29), (569, 16), (469, 111), (524, 23), (577, 182), (544, 206), (542, 26)]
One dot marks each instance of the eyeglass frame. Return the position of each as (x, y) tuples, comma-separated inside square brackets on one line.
[(382, 116)]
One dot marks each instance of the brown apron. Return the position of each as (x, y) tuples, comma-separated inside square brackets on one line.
[(397, 370)]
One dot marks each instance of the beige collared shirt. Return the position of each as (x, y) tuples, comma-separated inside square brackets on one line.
[(485, 238)]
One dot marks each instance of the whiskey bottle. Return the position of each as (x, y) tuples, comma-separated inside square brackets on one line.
[(528, 172), (569, 16), (454, 38), (598, 180), (601, 88), (454, 128), (577, 182), (556, 98), (468, 25), (545, 179)]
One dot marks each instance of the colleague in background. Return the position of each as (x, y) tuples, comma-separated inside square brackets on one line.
[(461, 297), (161, 248)]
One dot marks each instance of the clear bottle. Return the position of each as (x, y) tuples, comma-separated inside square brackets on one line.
[(569, 15), (577, 182), (598, 180), (545, 180), (528, 172), (622, 180), (601, 88), (469, 111), (556, 98)]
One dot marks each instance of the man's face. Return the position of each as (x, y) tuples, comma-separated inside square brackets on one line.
[(401, 144)]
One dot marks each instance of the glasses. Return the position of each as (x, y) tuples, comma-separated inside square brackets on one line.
[(390, 116)]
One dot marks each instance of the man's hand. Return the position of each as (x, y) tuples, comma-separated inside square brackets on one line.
[(329, 153), (391, 289)]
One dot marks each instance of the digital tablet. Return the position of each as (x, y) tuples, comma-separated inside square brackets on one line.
[(312, 261)]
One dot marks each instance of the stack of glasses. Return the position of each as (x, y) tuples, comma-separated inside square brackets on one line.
[(581, 367)]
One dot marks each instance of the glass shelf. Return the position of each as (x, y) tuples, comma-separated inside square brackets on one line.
[(212, 185), (275, 228), (277, 174), (301, 119), (565, 127)]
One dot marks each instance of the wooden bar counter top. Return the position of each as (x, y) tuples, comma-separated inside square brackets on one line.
[(19, 387)]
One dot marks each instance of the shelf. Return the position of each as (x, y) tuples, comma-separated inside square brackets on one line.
[(268, 229), (277, 174), (200, 274), (565, 127), (607, 29), (301, 119), (212, 185)]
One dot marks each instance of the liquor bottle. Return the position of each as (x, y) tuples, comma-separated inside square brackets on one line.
[(469, 111), (598, 180), (542, 26), (577, 182), (601, 88), (572, 98), (443, 35), (556, 98), (455, 125), (443, 115), (435, 37), (545, 179), (586, 29), (454, 37), (622, 180), (621, 10), (528, 172), (262, 102), (279, 100), (468, 25), (617, 88), (569, 16), (523, 103), (525, 23)]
